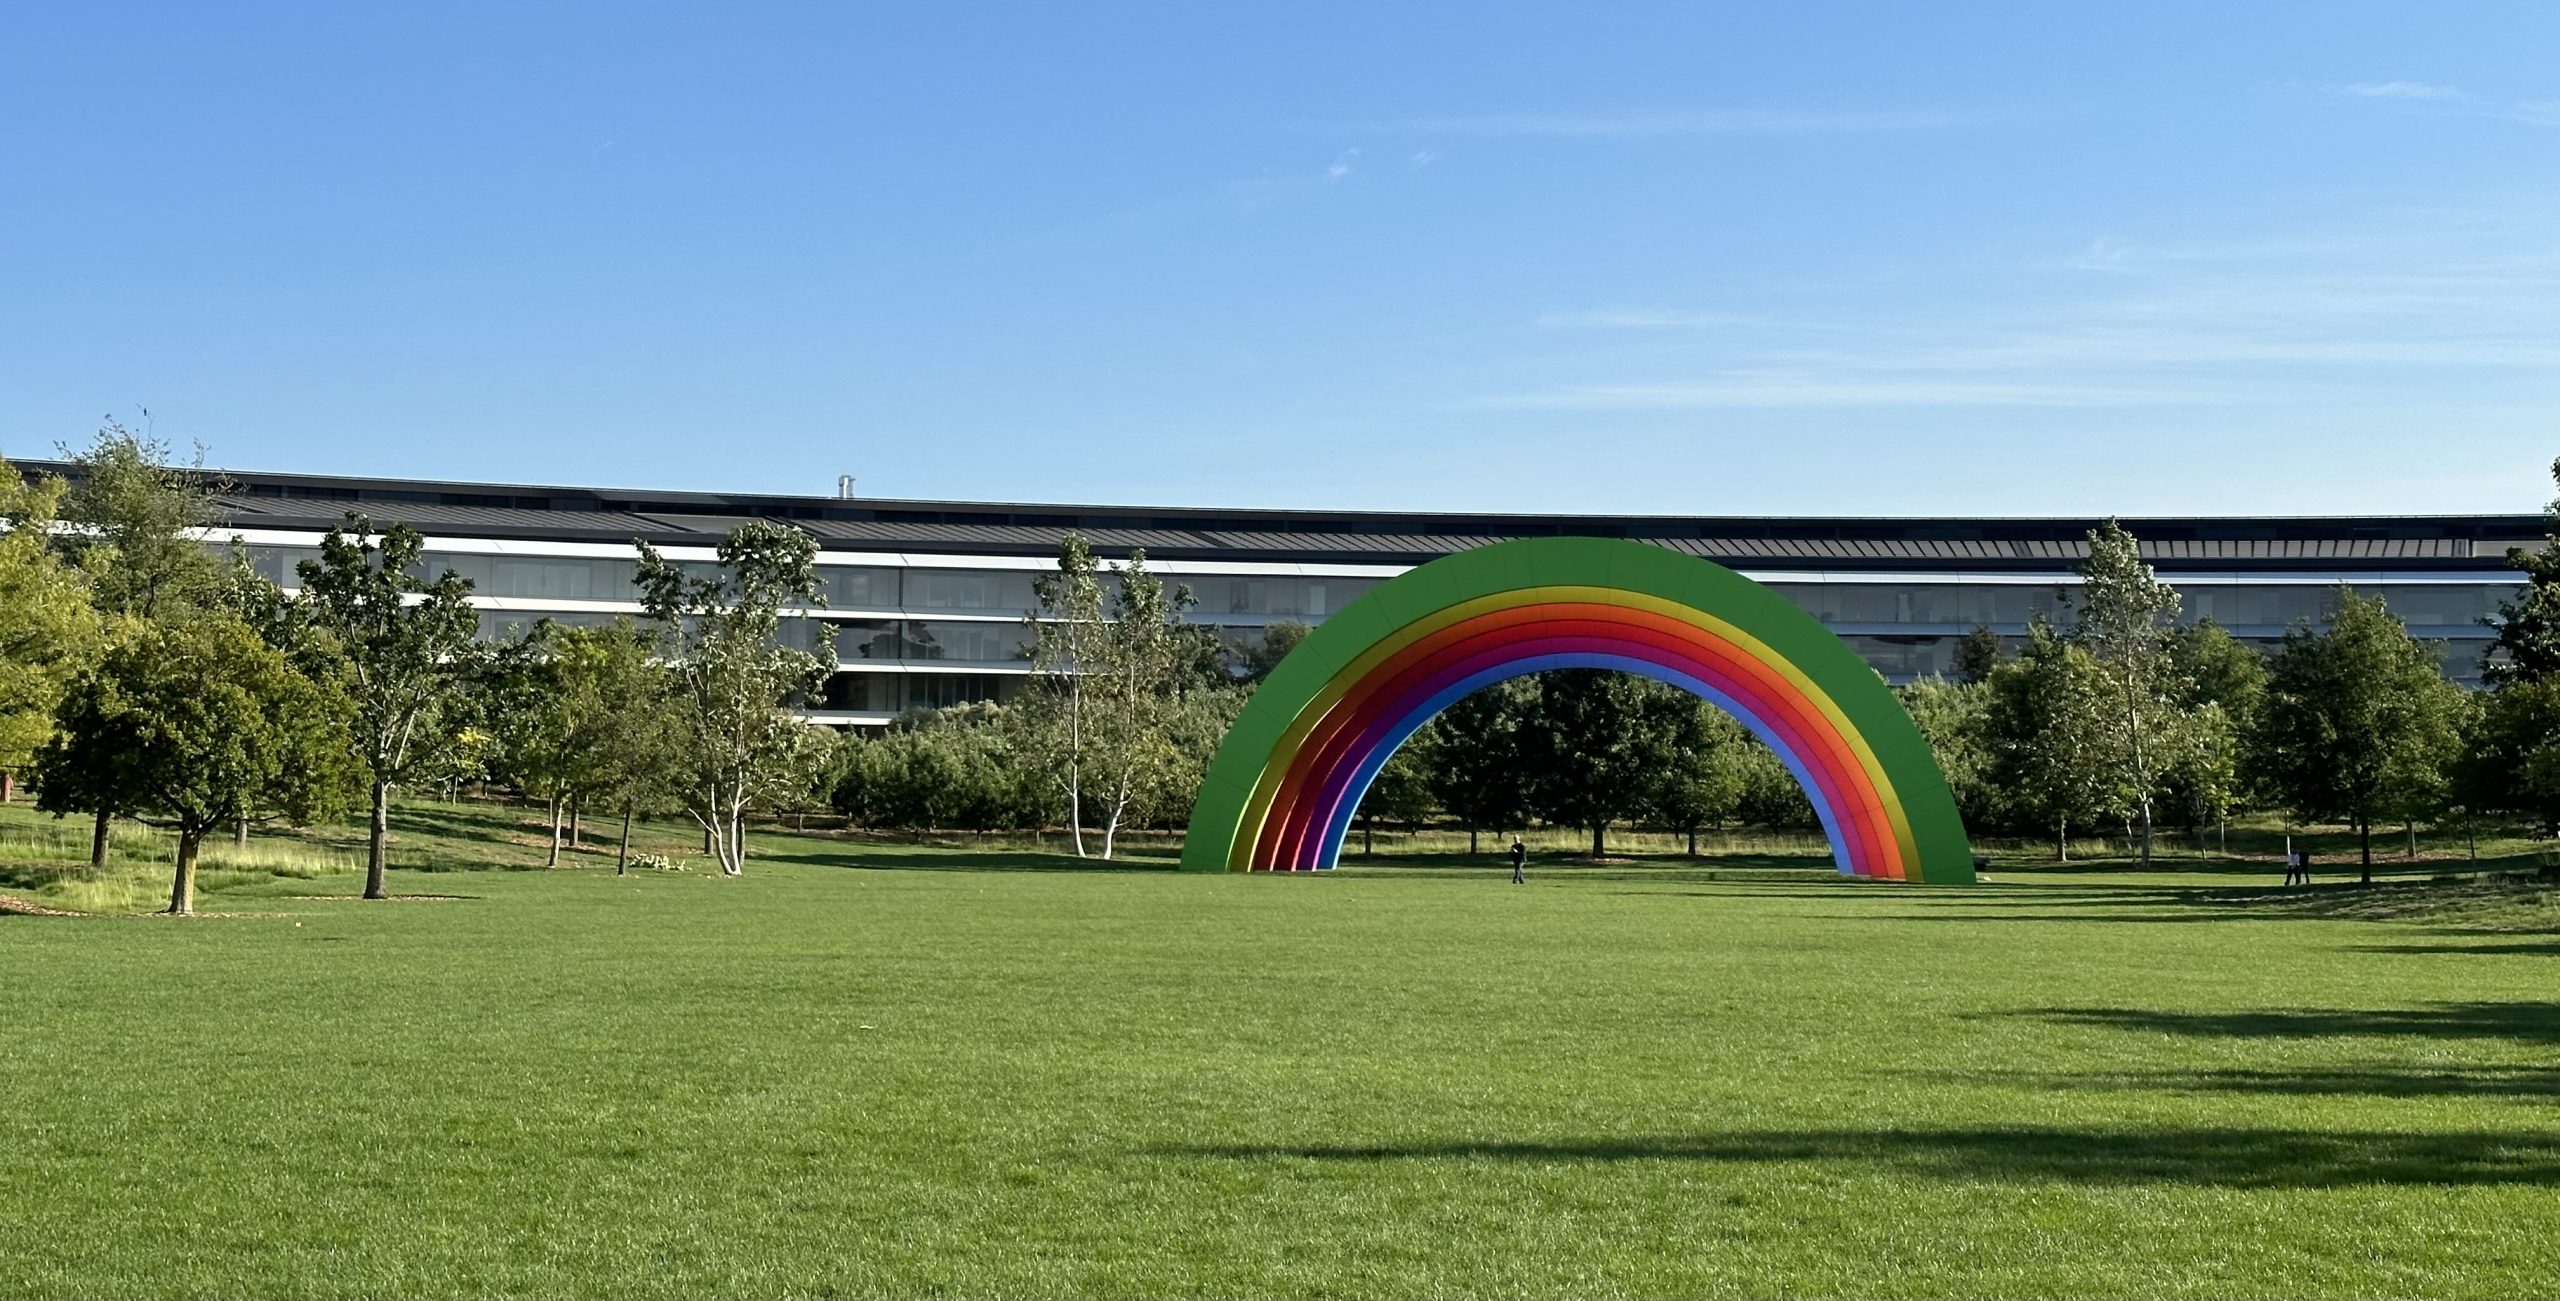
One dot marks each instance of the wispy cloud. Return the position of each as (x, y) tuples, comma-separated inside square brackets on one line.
[(1341, 166), (1781, 390), (2440, 298), (2457, 102), (1661, 123), (1643, 318), (2401, 90)]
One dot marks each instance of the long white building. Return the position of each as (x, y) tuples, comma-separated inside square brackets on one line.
[(929, 599)]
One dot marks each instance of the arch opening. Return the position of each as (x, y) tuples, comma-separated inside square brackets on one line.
[(1337, 825)]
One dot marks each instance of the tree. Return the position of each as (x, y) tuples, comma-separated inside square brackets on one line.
[(1254, 661), (48, 630), (1707, 774), (2127, 622), (1401, 792), (2511, 754), (1479, 772), (139, 523), (206, 726), (2225, 679), (136, 524), (1955, 718), (1977, 653), (2049, 726), (1068, 645), (1597, 738), (1110, 690), (2358, 724), (402, 642), (731, 683), (2527, 647)]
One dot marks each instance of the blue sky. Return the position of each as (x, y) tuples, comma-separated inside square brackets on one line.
[(1888, 259)]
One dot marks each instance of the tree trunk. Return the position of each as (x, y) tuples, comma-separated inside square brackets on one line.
[(2364, 838), (1599, 840), (376, 841), (8, 786), (558, 806), (577, 814), (707, 846), (1693, 842), (1471, 842), (98, 839), (622, 856), (240, 833), (2413, 842), (1368, 840), (2146, 833), (182, 890), (2062, 840)]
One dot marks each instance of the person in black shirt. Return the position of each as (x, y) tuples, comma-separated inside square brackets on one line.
[(1519, 859)]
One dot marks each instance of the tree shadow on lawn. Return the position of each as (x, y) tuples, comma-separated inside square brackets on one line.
[(2528, 1082), (2523, 1022), (2548, 948), (929, 858), (2226, 1158)]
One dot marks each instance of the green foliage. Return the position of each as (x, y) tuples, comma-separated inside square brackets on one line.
[(1707, 773), (2358, 725), (2527, 647), (1254, 661), (731, 684), (403, 661), (139, 523), (957, 769), (1596, 742), (1955, 718), (578, 714), (2127, 620), (1977, 653), (49, 632), (2049, 722), (1115, 712), (1480, 768), (2511, 758), (200, 724)]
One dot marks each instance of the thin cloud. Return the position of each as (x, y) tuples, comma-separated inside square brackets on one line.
[(2401, 90), (1808, 391), (2537, 112), (1658, 124), (1642, 318)]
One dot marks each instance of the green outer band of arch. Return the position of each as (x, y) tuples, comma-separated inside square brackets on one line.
[(1909, 769)]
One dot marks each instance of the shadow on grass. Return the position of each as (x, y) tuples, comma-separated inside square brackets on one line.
[(2374, 1081), (926, 858), (2546, 948), (2228, 1158), (2524, 1022)]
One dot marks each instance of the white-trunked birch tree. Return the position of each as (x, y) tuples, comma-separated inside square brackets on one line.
[(1110, 690), (731, 683)]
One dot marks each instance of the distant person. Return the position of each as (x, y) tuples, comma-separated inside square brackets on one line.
[(1519, 862), (2297, 867)]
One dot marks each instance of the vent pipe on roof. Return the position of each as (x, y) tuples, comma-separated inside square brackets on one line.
[(844, 487)]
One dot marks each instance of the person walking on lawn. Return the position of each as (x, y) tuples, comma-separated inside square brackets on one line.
[(1519, 859)]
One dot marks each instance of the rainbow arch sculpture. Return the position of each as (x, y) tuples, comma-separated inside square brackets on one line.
[(1281, 792)]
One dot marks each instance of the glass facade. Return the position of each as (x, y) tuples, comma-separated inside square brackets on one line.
[(1906, 630)]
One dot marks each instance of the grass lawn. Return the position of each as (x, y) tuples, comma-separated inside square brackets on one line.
[(875, 1069)]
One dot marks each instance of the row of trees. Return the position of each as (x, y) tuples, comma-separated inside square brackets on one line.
[(142, 675)]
